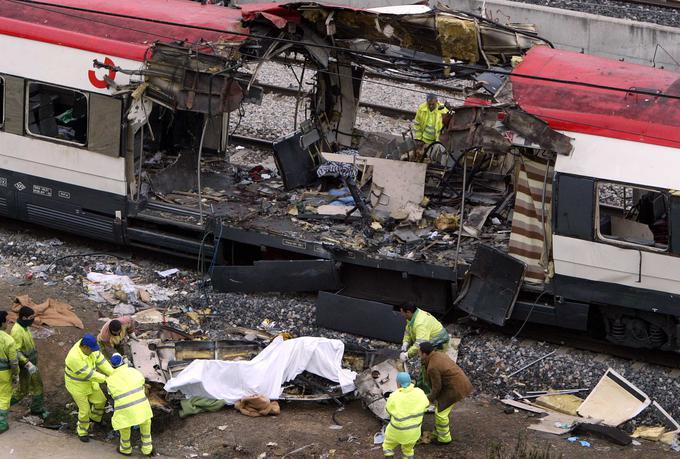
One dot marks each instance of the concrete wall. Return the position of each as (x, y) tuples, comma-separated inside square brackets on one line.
[(599, 35), (592, 34)]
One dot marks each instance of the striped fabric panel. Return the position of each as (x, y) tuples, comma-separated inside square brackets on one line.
[(526, 240)]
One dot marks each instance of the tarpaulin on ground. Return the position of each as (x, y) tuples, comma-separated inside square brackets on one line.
[(278, 363), (51, 312)]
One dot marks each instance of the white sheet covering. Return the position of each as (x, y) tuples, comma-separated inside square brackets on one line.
[(278, 363)]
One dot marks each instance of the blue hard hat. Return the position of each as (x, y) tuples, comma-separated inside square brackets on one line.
[(116, 360), (403, 379), (90, 341)]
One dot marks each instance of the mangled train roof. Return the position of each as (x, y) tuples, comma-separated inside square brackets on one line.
[(121, 28), (595, 110)]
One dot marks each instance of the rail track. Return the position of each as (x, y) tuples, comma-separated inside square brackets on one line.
[(675, 4), (587, 343)]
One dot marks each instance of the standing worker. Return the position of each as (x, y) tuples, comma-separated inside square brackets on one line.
[(130, 405), (114, 332), (421, 326), (29, 376), (9, 370), (406, 407), (448, 385), (428, 122), (85, 369)]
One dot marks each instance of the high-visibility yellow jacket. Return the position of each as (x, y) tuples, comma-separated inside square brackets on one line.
[(130, 405), (25, 345), (424, 327), (406, 407), (82, 371), (8, 354), (428, 124)]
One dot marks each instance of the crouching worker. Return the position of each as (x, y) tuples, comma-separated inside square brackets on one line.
[(130, 405), (9, 370), (448, 385), (406, 407), (85, 369)]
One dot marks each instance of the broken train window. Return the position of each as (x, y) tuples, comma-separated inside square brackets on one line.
[(57, 113), (632, 215)]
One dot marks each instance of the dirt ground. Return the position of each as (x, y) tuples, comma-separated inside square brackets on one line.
[(479, 426)]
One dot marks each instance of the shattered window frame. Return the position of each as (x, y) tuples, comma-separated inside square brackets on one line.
[(27, 113), (620, 241), (2, 101)]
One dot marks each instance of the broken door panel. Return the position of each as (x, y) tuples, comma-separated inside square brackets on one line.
[(277, 276), (295, 161), (360, 317), (494, 282)]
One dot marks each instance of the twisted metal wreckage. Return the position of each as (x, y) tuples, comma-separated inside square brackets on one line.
[(505, 218)]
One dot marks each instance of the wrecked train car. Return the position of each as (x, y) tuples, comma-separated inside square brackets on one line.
[(579, 238)]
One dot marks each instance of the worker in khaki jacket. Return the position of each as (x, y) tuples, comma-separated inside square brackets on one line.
[(421, 326), (406, 407), (448, 385), (9, 370), (30, 381), (130, 405), (85, 369)]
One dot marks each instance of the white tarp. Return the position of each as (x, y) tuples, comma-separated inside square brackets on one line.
[(278, 363)]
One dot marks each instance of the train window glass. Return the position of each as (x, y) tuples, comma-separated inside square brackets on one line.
[(2, 101), (57, 113), (632, 215)]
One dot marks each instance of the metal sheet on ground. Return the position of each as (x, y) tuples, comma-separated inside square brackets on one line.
[(277, 276), (360, 317), (494, 282)]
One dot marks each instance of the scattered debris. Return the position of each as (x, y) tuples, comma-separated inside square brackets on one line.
[(614, 400)]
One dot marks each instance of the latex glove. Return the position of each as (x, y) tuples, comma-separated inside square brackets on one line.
[(403, 356), (32, 369), (404, 347)]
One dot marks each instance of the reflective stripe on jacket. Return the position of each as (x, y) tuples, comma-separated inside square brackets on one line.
[(82, 370), (8, 353), (406, 407), (25, 345), (423, 327), (428, 124), (130, 405)]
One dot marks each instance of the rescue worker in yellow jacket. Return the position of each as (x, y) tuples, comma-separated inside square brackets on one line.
[(85, 369), (30, 381), (421, 326), (9, 370), (406, 407), (428, 123), (130, 405)]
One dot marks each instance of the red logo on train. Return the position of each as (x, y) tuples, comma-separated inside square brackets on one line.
[(101, 83)]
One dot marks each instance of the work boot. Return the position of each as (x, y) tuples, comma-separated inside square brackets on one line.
[(122, 453), (84, 438), (4, 427), (152, 453), (436, 442)]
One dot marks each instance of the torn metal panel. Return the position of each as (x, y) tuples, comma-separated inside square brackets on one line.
[(614, 400), (187, 80), (296, 162), (494, 281), (277, 276), (360, 317), (537, 131), (375, 384)]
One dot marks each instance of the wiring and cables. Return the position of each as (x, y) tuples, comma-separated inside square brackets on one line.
[(475, 68)]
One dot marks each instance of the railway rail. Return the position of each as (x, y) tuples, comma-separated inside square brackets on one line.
[(675, 4)]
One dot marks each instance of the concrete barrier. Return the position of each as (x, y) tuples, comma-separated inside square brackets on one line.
[(633, 41), (589, 33)]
